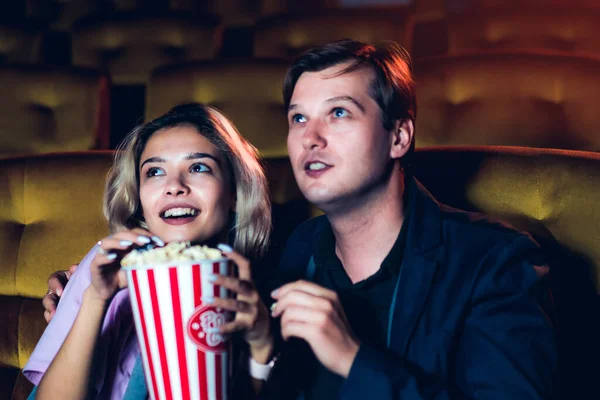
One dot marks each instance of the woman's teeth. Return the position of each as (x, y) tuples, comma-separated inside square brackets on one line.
[(180, 212)]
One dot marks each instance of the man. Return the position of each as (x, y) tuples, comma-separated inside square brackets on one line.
[(409, 299), (391, 294)]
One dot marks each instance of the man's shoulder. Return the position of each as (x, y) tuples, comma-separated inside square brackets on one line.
[(477, 226), (455, 226), (478, 236), (463, 222)]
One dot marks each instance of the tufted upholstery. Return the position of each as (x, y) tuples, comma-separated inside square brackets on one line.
[(540, 4), (566, 29), (509, 98), (53, 109), (248, 91), (50, 215), (20, 43), (290, 35), (132, 44)]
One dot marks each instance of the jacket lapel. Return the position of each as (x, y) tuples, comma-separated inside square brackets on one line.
[(421, 259)]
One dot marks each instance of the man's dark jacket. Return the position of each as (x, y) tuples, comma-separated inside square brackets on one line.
[(466, 319)]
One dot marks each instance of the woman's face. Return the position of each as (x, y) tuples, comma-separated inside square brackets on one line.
[(185, 189)]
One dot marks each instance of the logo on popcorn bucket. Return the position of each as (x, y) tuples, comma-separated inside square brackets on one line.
[(203, 327)]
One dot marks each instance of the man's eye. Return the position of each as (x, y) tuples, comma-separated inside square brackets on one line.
[(154, 172), (298, 118), (199, 168), (339, 112)]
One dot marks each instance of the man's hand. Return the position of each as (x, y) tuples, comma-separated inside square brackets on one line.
[(56, 285), (313, 313)]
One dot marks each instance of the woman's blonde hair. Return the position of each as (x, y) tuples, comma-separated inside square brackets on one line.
[(251, 225)]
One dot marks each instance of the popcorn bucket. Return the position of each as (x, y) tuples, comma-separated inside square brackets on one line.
[(183, 355)]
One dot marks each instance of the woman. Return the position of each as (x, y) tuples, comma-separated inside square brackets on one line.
[(187, 175)]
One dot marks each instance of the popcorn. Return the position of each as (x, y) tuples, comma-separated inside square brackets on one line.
[(172, 252)]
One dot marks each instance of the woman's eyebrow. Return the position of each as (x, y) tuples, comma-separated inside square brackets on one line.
[(191, 156), (153, 160), (195, 156)]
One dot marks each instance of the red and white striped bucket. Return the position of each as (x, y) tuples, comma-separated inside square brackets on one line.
[(183, 356)]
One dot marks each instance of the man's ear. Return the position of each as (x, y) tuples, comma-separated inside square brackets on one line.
[(402, 136)]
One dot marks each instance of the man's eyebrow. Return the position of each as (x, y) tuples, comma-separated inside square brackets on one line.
[(347, 98), (191, 156), (333, 100)]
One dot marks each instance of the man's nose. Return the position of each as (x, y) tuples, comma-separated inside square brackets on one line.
[(314, 136)]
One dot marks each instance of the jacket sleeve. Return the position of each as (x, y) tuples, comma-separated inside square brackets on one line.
[(506, 349)]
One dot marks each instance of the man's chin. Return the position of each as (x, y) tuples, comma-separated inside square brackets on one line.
[(323, 203)]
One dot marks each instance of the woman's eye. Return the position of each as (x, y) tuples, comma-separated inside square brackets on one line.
[(339, 112), (298, 118), (199, 168), (154, 172)]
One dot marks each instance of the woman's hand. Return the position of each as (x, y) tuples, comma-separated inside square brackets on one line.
[(252, 315), (105, 268)]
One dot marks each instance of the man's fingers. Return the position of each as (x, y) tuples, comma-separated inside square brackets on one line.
[(57, 282), (71, 270), (299, 330), (50, 301), (304, 315), (297, 298), (48, 316), (304, 286)]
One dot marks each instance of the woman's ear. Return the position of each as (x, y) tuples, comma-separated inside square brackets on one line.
[(402, 136)]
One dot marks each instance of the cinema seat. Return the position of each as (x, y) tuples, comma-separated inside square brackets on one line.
[(131, 44), (509, 98), (568, 28), (20, 43), (50, 214), (289, 35), (247, 91), (46, 109)]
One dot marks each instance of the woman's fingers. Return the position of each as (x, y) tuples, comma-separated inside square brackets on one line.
[(234, 326), (231, 305), (238, 286), (243, 264), (114, 245)]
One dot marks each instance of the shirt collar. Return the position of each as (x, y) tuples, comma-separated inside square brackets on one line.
[(324, 248)]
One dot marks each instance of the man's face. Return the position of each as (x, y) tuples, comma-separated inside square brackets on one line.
[(337, 144)]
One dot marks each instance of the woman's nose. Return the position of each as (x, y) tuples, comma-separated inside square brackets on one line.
[(177, 186)]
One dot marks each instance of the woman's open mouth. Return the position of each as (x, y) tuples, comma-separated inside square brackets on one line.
[(179, 215)]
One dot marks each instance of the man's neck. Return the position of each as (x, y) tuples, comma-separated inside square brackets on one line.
[(366, 233)]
